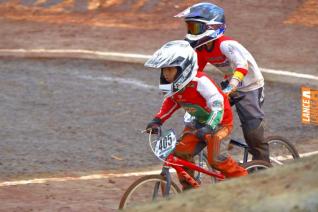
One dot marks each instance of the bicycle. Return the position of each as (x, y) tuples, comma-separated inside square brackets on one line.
[(280, 149), (161, 186)]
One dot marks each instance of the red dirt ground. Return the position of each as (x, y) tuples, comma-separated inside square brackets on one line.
[(271, 30)]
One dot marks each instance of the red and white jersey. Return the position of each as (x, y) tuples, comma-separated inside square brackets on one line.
[(228, 55), (202, 99)]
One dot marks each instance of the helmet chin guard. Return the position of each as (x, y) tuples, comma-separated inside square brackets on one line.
[(178, 54), (166, 89)]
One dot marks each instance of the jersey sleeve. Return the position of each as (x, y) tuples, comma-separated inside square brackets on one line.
[(168, 107), (201, 60), (214, 100), (235, 54)]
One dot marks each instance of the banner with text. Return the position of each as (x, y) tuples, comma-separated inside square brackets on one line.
[(309, 106)]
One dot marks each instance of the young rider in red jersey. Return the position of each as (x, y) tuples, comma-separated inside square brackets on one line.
[(206, 26), (197, 94)]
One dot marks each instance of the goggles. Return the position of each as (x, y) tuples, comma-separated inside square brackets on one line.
[(197, 28)]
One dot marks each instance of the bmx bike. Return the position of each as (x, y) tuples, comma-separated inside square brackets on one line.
[(161, 186), (280, 149)]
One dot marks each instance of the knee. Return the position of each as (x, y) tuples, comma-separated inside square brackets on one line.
[(254, 132), (252, 124)]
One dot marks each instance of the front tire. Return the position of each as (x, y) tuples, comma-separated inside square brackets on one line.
[(146, 189)]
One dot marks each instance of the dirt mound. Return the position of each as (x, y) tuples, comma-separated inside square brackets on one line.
[(292, 187)]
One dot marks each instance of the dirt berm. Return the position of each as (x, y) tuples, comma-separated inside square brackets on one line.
[(292, 187)]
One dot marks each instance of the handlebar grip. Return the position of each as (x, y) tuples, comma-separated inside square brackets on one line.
[(156, 130)]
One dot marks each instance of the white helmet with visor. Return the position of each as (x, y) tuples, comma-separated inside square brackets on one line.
[(177, 54)]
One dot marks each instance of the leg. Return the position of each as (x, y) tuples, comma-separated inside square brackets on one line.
[(218, 156), (185, 150), (251, 116), (254, 135)]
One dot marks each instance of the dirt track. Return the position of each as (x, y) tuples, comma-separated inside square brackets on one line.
[(80, 117), (77, 117)]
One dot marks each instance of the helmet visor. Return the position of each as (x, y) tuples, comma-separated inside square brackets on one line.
[(196, 28)]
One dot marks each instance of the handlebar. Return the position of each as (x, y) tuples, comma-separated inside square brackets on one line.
[(150, 132)]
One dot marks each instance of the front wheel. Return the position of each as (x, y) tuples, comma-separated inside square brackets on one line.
[(281, 150), (256, 165), (147, 189)]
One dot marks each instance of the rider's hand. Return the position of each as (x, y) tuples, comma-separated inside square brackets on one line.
[(224, 83), (153, 126), (229, 89), (235, 97), (203, 131)]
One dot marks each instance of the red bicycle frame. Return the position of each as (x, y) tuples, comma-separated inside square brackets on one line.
[(178, 163)]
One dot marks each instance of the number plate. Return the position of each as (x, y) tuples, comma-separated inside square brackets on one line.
[(165, 144)]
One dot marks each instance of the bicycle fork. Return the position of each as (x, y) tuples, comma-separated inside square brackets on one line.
[(166, 189), (187, 177), (201, 164)]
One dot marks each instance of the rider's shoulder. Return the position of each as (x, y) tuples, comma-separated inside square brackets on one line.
[(225, 38), (202, 77), (228, 45), (201, 74)]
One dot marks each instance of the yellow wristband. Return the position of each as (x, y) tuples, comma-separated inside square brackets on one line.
[(238, 75)]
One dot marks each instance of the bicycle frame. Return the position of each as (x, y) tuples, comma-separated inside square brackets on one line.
[(242, 145), (178, 164)]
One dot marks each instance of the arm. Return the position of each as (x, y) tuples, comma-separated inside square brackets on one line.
[(168, 107), (214, 100), (235, 54)]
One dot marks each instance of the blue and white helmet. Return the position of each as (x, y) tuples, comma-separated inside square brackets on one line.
[(205, 23), (177, 54)]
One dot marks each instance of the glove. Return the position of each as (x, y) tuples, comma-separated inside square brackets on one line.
[(224, 84), (203, 131), (153, 126), (229, 89)]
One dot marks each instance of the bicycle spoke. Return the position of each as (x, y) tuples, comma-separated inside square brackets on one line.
[(275, 160)]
